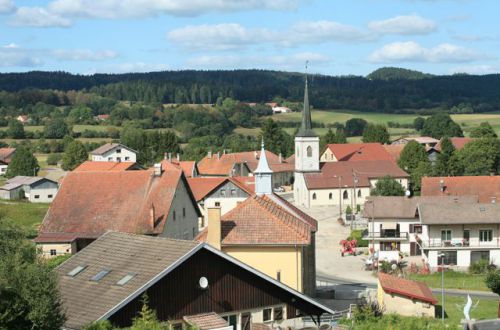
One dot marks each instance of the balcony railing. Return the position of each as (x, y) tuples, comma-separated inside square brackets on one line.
[(458, 243), (387, 234)]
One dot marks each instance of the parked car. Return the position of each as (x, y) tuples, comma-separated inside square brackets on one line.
[(279, 189)]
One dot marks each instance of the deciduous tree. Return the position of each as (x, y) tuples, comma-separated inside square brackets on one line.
[(387, 186), (439, 125), (484, 130), (376, 133), (23, 163), (74, 155), (16, 129)]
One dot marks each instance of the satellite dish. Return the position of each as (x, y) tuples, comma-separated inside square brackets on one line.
[(407, 193), (203, 282)]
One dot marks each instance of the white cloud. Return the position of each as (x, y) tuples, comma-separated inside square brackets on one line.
[(12, 57), (6, 6), (405, 25), (288, 62), (38, 17), (411, 51), (11, 45), (324, 31), (83, 54), (476, 69)]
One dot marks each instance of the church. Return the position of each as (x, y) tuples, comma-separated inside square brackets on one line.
[(343, 183)]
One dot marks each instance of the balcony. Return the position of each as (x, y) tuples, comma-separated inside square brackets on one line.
[(387, 235), (458, 243)]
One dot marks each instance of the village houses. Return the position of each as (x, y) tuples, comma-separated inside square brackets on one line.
[(114, 152), (5, 159)]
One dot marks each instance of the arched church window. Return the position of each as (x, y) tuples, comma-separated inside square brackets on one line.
[(330, 196), (345, 195), (314, 196), (359, 193), (309, 151)]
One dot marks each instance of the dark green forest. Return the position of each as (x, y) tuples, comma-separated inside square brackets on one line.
[(385, 90)]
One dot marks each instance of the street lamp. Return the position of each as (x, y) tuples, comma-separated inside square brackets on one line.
[(340, 195), (373, 224), (441, 255)]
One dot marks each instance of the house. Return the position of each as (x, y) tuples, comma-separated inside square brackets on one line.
[(426, 141), (278, 109), (182, 280), (339, 152), (33, 188), (155, 202), (6, 155), (24, 119), (486, 188), (394, 222), (221, 192), (244, 164), (114, 152), (267, 233), (272, 104), (101, 117), (458, 143), (464, 233), (337, 182), (106, 166), (405, 297)]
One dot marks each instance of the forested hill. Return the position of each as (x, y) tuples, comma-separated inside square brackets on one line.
[(481, 93)]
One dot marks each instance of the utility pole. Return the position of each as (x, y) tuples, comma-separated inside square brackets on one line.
[(340, 195)]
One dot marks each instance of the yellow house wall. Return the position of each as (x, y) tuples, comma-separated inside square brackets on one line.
[(61, 248), (328, 156), (270, 260), (393, 303)]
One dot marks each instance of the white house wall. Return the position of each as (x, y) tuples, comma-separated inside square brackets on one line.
[(112, 156), (323, 197)]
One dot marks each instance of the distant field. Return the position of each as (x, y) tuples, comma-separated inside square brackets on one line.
[(28, 215), (76, 128)]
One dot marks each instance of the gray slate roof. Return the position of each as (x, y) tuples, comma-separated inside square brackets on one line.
[(86, 301), (107, 147), (436, 213), (24, 180), (400, 207)]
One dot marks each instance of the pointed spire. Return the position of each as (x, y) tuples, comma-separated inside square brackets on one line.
[(306, 126), (263, 175)]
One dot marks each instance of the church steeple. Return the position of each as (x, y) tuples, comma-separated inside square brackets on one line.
[(263, 174), (306, 126)]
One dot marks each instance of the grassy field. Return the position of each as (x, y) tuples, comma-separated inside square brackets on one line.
[(28, 215), (453, 280), (485, 309)]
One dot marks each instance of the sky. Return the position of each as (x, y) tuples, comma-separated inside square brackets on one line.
[(337, 37)]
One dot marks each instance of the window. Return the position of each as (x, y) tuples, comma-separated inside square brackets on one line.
[(110, 159), (37, 196), (50, 196), (118, 151), (127, 158), (125, 279), (449, 258), (267, 314), (345, 195), (446, 235), (232, 320), (330, 196), (278, 313), (475, 256), (314, 195), (183, 212), (77, 270), (417, 229), (53, 252), (118, 159), (217, 204), (278, 275), (223, 192), (359, 192), (309, 151), (97, 277), (485, 235), (173, 215)]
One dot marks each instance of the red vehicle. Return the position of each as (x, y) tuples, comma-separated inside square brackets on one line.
[(348, 247)]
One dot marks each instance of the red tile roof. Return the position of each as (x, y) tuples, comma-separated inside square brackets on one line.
[(359, 151), (187, 166), (202, 186), (104, 166), (408, 288), (394, 150), (224, 164), (265, 220), (327, 178), (91, 203), (6, 154), (206, 321), (458, 142), (485, 187)]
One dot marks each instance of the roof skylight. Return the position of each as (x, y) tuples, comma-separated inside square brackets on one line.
[(97, 277), (125, 279), (77, 270)]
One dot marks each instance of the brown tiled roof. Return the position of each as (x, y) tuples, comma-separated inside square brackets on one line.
[(408, 288), (104, 166), (485, 187), (107, 147), (458, 142), (91, 203), (202, 186), (419, 139), (146, 257), (206, 321), (400, 207), (359, 151), (265, 220), (187, 166), (327, 178), (224, 164), (460, 213), (394, 150), (6, 154)]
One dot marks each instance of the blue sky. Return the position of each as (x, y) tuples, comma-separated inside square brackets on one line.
[(337, 37)]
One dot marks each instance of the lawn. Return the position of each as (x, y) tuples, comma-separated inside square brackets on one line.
[(453, 280), (28, 215), (485, 309)]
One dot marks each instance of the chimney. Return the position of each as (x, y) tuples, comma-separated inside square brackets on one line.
[(157, 169), (214, 227), (209, 155), (165, 156), (280, 156), (255, 154), (178, 157), (152, 216)]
